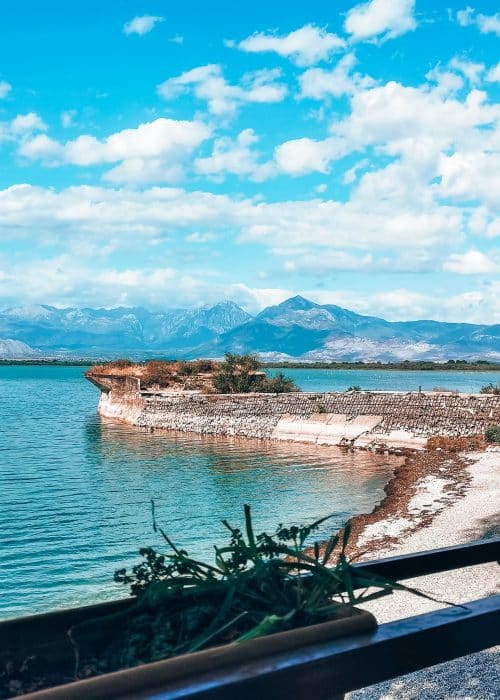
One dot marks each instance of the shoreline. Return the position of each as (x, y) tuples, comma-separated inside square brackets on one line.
[(427, 482), (469, 510)]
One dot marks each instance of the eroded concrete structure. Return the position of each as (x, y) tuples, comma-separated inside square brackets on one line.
[(360, 419)]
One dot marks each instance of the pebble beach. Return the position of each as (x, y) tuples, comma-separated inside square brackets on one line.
[(437, 514)]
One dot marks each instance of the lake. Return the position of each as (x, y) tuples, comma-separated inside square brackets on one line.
[(77, 490)]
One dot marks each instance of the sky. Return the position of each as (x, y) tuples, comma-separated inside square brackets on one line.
[(172, 155)]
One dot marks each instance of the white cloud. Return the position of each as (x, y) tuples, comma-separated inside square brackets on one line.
[(385, 19), (394, 112), (304, 46), (318, 83), (140, 170), (471, 175), (474, 306), (237, 157), (5, 88), (493, 75), (447, 81), (472, 71), (319, 265), (473, 262), (198, 237), (27, 123), (465, 17), (414, 123), (224, 99), (68, 117), (141, 25), (100, 211), (21, 127), (152, 151), (303, 156), (487, 24)]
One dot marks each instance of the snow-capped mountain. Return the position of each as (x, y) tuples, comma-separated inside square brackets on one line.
[(295, 329), (300, 329), (98, 331)]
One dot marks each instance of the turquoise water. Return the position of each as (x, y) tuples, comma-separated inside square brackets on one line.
[(390, 380), (76, 490)]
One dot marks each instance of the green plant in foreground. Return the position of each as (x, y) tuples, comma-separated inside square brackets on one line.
[(258, 584)]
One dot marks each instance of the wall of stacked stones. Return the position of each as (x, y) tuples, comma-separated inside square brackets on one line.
[(256, 415)]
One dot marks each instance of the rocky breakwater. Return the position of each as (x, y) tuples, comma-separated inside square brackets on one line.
[(359, 419)]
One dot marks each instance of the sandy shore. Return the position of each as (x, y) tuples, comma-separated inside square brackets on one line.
[(439, 511)]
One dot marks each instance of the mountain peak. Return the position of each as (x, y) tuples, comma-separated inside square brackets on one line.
[(297, 303), (227, 304)]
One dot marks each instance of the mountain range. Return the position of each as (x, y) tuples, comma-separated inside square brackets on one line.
[(295, 329)]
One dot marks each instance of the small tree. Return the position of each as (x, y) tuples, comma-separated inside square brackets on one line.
[(279, 384), (490, 389), (241, 374), (238, 374), (492, 433)]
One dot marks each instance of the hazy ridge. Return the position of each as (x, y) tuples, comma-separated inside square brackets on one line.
[(295, 329)]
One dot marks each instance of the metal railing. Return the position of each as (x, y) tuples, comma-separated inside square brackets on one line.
[(330, 669)]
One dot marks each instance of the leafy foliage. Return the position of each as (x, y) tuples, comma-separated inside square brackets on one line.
[(490, 389), (241, 374), (258, 584), (279, 384), (492, 433)]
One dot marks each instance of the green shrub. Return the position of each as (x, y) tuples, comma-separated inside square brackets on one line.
[(241, 374), (492, 433), (490, 389), (279, 384)]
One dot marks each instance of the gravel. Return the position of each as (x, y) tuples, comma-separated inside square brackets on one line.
[(474, 516)]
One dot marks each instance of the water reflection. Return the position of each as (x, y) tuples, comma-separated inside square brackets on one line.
[(77, 490)]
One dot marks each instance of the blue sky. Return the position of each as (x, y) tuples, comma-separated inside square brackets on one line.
[(176, 154)]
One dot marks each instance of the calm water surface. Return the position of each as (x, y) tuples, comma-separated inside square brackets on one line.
[(390, 380), (76, 490)]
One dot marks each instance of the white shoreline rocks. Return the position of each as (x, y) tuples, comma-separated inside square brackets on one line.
[(473, 516)]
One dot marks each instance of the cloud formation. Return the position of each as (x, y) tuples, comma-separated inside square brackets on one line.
[(304, 47), (224, 99), (380, 19), (142, 24), (152, 151), (5, 89), (487, 24)]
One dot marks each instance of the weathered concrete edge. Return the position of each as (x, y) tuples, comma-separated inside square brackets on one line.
[(358, 419)]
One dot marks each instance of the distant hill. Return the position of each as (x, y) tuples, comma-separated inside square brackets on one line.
[(295, 329), (15, 350), (97, 332), (299, 328)]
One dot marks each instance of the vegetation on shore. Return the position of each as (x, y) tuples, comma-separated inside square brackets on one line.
[(237, 374), (410, 365), (492, 433), (490, 389)]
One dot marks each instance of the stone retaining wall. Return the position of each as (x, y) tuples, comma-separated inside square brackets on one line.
[(356, 418)]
